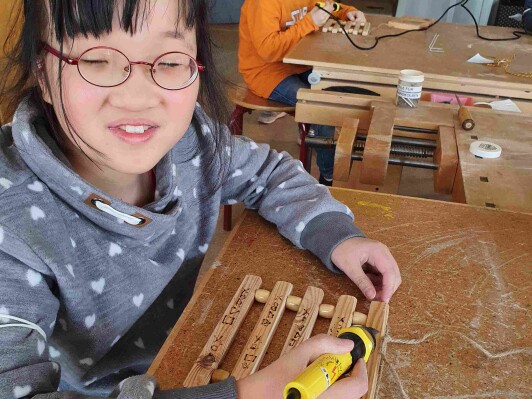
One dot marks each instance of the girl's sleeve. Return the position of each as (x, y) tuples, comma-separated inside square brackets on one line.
[(25, 293), (27, 365), (284, 193), (270, 41)]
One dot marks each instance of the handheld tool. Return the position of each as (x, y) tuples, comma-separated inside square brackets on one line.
[(327, 368), (464, 116), (337, 7)]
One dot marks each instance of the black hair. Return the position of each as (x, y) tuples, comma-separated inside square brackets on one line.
[(35, 20)]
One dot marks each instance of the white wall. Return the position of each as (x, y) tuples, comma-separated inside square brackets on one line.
[(434, 9)]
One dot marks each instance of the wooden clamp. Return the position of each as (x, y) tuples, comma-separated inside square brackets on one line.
[(378, 144), (344, 149), (381, 119), (446, 156)]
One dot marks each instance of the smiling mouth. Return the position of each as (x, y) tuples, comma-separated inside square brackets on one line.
[(134, 129)]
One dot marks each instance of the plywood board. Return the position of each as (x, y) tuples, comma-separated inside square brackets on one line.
[(394, 54)]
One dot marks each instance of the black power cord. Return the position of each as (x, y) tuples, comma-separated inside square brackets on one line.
[(461, 3)]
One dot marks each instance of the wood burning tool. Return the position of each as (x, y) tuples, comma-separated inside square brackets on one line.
[(327, 368), (337, 7)]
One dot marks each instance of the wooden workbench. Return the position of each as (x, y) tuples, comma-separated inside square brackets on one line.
[(503, 183), (465, 296), (338, 62)]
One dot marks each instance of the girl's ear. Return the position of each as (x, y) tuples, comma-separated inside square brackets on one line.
[(42, 81)]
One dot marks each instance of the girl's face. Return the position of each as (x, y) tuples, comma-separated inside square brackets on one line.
[(99, 115)]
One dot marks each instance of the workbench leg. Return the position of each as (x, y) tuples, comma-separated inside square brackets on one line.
[(236, 125), (236, 121), (303, 149)]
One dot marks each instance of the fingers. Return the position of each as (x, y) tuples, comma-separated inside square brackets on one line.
[(383, 261), (316, 346), (352, 387), (362, 281)]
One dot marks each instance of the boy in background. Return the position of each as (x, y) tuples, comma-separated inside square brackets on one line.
[(268, 30)]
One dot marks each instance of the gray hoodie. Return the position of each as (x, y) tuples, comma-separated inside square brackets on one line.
[(96, 295)]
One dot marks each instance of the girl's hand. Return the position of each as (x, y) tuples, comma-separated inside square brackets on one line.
[(319, 17), (370, 265), (270, 381), (357, 16)]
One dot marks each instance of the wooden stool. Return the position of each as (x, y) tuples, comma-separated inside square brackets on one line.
[(246, 101)]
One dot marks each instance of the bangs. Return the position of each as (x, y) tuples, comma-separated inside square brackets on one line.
[(71, 18)]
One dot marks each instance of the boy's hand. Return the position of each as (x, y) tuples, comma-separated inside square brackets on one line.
[(319, 17), (357, 16), (370, 265), (270, 381)]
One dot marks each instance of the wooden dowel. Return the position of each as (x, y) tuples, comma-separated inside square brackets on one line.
[(326, 311), (220, 375)]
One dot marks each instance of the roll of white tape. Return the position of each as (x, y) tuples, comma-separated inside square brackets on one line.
[(314, 78), (485, 149)]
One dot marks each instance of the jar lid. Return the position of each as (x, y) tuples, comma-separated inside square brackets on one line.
[(485, 149), (411, 76)]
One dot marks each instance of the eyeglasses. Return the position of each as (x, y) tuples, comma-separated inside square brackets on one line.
[(108, 67)]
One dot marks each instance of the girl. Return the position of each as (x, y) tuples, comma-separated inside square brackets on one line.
[(111, 178)]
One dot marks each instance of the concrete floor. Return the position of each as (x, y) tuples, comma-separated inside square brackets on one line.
[(282, 134)]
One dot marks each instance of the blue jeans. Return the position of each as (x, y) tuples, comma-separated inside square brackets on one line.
[(286, 92)]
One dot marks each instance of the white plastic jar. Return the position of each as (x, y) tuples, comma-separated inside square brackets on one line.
[(409, 88)]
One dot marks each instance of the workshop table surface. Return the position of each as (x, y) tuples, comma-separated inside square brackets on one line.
[(447, 70), (459, 325)]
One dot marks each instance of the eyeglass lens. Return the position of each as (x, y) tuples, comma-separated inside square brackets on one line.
[(108, 67)]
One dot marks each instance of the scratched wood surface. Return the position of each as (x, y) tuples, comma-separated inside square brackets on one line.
[(465, 297)]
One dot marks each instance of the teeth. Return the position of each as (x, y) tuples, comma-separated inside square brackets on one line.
[(134, 129)]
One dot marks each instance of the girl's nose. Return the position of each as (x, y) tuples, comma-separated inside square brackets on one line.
[(138, 92)]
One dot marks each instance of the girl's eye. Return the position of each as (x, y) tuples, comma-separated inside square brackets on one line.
[(95, 61), (169, 64)]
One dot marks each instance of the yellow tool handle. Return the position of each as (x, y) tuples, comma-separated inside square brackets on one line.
[(322, 4)]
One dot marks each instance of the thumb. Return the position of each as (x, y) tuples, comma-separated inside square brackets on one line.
[(351, 16), (362, 281)]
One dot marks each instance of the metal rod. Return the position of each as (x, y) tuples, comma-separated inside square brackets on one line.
[(406, 141), (401, 149), (415, 129), (329, 142), (402, 162)]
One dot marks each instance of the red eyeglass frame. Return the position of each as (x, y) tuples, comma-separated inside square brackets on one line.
[(75, 61)]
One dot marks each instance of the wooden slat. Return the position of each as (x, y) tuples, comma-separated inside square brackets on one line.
[(343, 314), (367, 27), (344, 149), (349, 26), (222, 337), (356, 29), (327, 25), (305, 318), (446, 156), (262, 334), (378, 144), (377, 319)]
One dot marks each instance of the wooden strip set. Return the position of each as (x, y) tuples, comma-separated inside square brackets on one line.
[(351, 27), (343, 314)]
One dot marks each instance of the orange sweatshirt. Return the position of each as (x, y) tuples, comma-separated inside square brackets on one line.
[(268, 30)]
